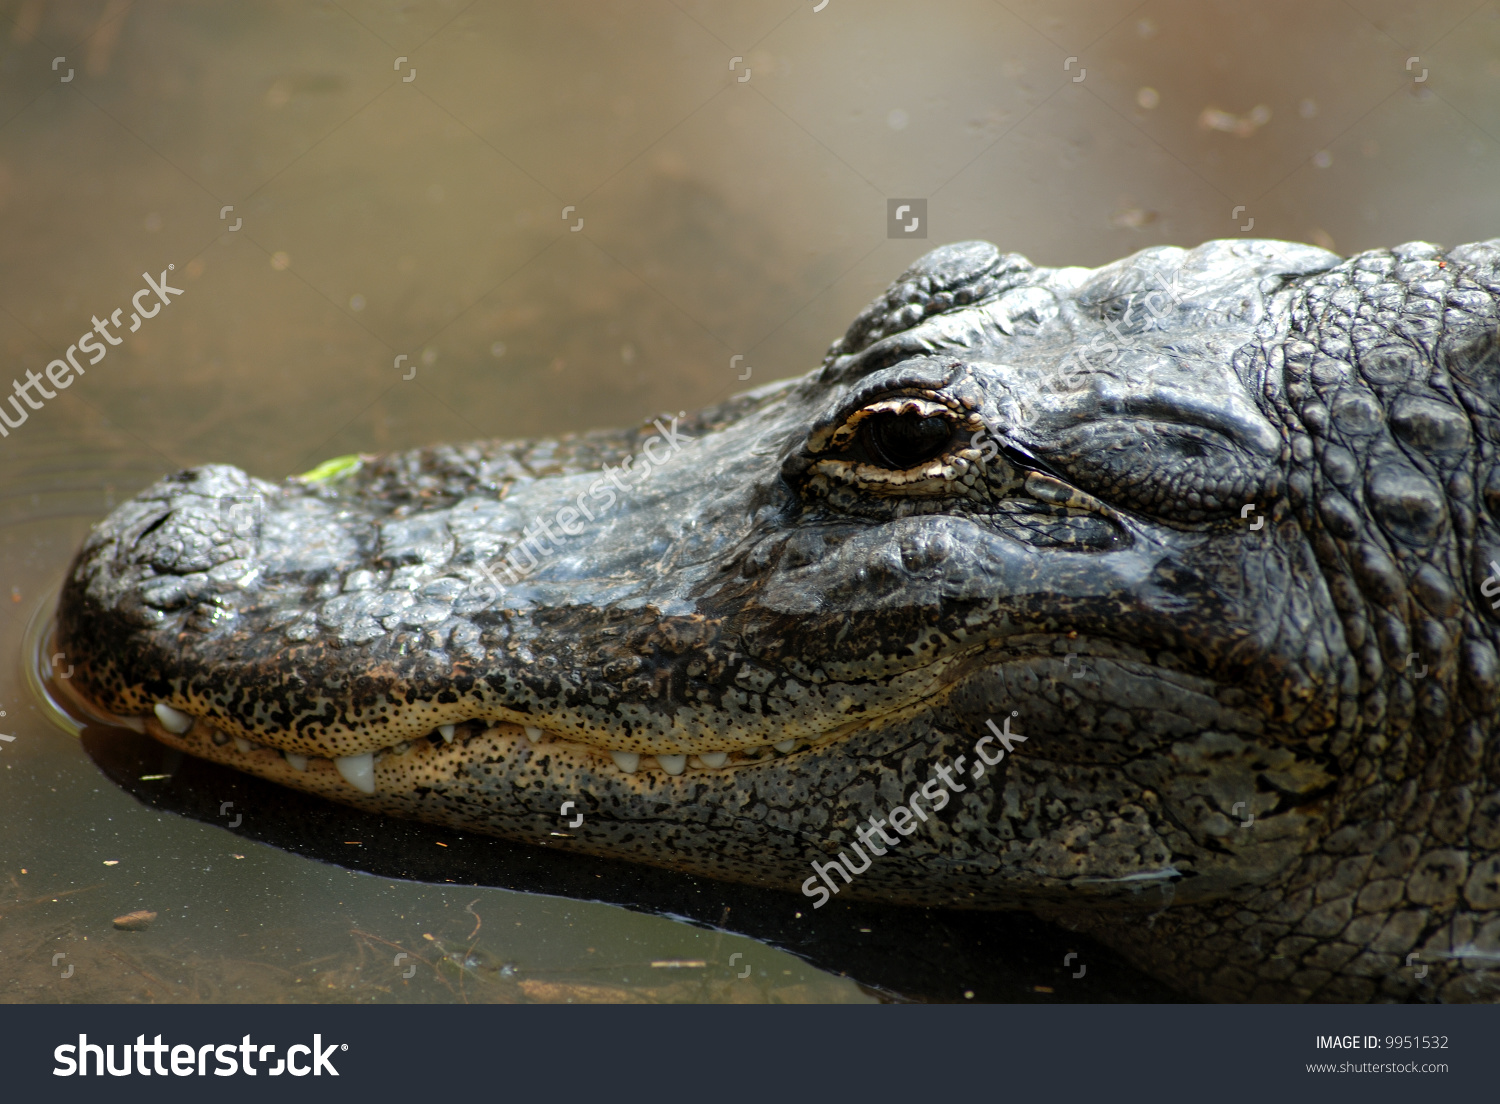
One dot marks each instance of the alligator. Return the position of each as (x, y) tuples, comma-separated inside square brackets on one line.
[(1154, 599)]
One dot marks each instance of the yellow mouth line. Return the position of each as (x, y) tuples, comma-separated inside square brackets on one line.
[(201, 737)]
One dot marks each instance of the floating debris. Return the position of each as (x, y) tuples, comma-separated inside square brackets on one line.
[(1133, 218), (478, 963), (1241, 126)]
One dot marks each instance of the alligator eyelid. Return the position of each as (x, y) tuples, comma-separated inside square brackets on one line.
[(882, 358)]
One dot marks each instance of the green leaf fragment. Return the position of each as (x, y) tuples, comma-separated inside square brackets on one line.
[(330, 469)]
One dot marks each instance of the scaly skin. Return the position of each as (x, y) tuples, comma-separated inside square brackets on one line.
[(1192, 564)]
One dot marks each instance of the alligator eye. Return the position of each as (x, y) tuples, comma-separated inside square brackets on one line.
[(902, 441)]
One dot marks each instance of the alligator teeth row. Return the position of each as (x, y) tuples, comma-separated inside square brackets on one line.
[(359, 770), (630, 761)]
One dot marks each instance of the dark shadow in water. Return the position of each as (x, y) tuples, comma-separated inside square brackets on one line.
[(902, 954)]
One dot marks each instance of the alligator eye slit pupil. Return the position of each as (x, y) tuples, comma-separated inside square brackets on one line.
[(903, 441)]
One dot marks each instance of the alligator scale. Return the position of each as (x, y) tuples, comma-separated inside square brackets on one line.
[(1216, 529)]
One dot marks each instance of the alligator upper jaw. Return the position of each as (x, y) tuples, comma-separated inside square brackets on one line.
[(413, 765)]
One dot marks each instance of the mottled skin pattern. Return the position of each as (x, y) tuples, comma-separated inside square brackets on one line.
[(997, 466)]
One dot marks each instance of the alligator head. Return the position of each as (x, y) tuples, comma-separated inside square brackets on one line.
[(1200, 540)]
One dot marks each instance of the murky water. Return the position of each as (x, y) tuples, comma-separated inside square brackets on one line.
[(396, 223)]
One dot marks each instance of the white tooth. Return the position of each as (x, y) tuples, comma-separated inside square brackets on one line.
[(785, 746), (672, 764), (173, 720), (755, 752), (296, 762), (714, 759), (358, 771), (627, 761), (243, 744), (446, 732), (533, 734)]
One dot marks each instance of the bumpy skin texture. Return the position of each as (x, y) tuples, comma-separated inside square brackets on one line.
[(1071, 545)]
